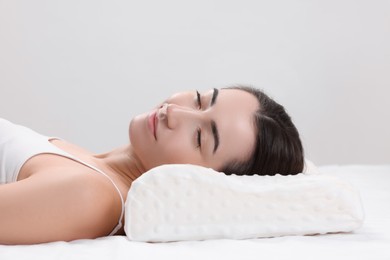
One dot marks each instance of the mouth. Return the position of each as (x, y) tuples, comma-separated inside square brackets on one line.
[(152, 122)]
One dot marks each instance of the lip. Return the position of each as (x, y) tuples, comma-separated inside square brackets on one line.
[(152, 123)]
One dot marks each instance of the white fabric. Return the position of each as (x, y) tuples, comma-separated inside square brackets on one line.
[(187, 202), (17, 145), (371, 241)]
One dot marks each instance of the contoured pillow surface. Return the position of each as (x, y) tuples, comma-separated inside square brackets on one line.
[(188, 202)]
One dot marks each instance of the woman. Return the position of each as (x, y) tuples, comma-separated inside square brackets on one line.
[(55, 190)]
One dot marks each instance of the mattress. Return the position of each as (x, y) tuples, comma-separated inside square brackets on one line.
[(371, 241)]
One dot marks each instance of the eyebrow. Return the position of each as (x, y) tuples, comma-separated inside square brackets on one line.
[(214, 128), (214, 97)]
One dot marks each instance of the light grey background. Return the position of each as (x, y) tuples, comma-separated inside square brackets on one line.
[(81, 70)]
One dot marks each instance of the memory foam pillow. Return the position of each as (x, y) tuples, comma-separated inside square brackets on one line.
[(187, 202)]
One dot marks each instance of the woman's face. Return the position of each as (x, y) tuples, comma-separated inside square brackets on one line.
[(209, 129)]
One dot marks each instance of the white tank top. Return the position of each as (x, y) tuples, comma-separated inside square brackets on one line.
[(19, 143)]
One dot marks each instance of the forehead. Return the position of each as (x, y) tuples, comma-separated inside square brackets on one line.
[(235, 111)]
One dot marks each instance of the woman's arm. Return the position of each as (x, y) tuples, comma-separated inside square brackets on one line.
[(53, 207)]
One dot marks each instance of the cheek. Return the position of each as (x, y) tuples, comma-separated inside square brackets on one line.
[(178, 151), (172, 148), (182, 99), (174, 151)]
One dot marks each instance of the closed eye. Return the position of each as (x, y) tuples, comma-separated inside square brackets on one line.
[(199, 100), (199, 138)]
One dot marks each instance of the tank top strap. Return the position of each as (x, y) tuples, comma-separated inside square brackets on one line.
[(65, 154)]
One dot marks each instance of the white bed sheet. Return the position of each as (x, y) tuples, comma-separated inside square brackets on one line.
[(372, 241)]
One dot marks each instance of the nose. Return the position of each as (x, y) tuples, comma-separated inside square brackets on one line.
[(162, 112), (175, 115)]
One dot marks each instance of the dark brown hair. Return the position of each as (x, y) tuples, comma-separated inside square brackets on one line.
[(278, 146)]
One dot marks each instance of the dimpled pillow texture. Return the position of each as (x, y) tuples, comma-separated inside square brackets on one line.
[(188, 202)]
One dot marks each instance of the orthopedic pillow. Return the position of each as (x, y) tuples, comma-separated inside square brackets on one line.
[(188, 202)]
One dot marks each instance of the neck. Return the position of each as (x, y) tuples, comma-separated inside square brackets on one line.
[(123, 162)]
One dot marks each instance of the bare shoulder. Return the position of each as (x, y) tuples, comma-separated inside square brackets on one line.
[(98, 204), (46, 208)]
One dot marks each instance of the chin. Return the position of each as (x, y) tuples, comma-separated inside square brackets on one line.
[(137, 135), (130, 128), (134, 129)]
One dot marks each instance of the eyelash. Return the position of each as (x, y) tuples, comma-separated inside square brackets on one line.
[(199, 100), (199, 138), (199, 133)]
